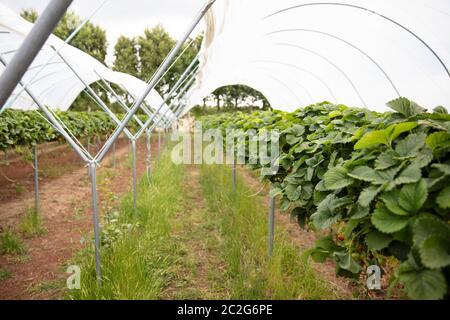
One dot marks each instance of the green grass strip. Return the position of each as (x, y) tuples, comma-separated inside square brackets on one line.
[(251, 273)]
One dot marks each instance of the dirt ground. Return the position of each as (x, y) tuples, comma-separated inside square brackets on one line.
[(65, 197)]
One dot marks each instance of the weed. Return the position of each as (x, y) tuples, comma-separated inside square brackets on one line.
[(11, 244), (4, 274), (31, 224)]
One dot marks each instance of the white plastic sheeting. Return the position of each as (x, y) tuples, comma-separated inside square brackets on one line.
[(357, 52), (57, 86)]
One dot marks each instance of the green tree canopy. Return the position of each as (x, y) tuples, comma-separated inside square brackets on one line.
[(126, 56)]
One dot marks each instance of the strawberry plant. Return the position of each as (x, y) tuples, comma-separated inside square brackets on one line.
[(24, 128), (378, 184)]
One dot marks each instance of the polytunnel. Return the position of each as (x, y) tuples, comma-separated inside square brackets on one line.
[(51, 80), (297, 53), (360, 53)]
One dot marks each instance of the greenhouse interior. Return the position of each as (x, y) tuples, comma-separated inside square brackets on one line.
[(221, 150)]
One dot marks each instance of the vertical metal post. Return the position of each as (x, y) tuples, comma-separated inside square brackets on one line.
[(36, 178), (271, 224), (30, 47), (96, 219), (133, 151)]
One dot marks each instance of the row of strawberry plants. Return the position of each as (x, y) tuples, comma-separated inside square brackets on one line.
[(24, 128), (377, 184)]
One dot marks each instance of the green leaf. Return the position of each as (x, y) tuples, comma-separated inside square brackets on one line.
[(443, 198), (275, 192), (372, 139), (410, 175), (400, 128), (427, 226), (434, 251), (293, 191), (411, 145), (346, 262), (367, 196), (336, 178), (327, 212), (387, 222), (364, 173), (438, 141), (405, 107), (291, 139), (390, 199), (413, 196), (323, 248), (359, 212), (422, 284), (376, 240), (442, 167), (386, 160)]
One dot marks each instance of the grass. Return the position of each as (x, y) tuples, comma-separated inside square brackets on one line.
[(188, 242), (47, 286), (11, 244), (4, 274), (138, 265), (251, 273), (31, 224), (20, 188)]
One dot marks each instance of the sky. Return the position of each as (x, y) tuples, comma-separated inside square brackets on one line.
[(130, 17)]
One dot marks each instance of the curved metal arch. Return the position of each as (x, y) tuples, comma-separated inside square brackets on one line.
[(243, 80), (346, 42), (269, 75), (36, 80), (370, 11), (35, 66), (330, 62), (40, 65), (330, 91)]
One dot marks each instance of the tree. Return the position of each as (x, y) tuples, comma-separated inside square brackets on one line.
[(155, 45), (90, 39), (126, 56)]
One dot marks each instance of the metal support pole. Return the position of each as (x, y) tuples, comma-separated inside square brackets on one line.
[(271, 224), (36, 178), (96, 98), (30, 47), (96, 219), (156, 77), (187, 73), (133, 151), (53, 120)]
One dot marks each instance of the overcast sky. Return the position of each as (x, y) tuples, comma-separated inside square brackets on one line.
[(128, 17)]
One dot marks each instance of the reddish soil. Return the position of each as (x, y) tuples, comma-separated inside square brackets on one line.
[(66, 213), (54, 160)]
